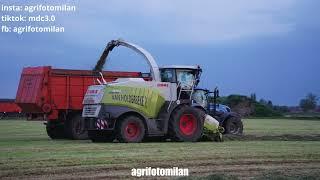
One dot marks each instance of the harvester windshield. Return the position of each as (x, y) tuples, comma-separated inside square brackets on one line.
[(186, 79)]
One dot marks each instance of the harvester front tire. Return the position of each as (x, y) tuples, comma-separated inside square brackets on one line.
[(234, 126), (186, 124), (55, 130), (131, 129)]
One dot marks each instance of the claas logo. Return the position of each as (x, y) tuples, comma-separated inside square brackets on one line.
[(162, 85), (93, 91)]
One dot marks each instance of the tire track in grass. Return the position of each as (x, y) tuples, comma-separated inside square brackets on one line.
[(195, 165), (73, 162), (237, 170)]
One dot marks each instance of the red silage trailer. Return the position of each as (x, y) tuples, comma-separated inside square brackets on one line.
[(8, 108), (57, 94)]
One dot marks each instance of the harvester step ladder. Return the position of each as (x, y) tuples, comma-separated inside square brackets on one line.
[(191, 90)]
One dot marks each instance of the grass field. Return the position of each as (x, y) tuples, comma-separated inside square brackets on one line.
[(270, 149)]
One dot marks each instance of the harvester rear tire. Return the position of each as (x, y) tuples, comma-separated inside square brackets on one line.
[(186, 124), (75, 127), (55, 130), (131, 129)]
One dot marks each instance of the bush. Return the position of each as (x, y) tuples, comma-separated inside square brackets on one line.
[(261, 110), (246, 106)]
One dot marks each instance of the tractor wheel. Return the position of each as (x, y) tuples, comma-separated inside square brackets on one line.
[(186, 124), (234, 126), (131, 130), (98, 136), (55, 130), (75, 127)]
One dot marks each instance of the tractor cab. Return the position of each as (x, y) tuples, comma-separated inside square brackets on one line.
[(201, 97), (208, 100)]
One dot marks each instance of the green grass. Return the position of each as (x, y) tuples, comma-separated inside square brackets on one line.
[(26, 151), (281, 126)]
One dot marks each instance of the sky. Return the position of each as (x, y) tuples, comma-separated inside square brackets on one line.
[(267, 47)]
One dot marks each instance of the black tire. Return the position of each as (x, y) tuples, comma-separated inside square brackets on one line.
[(55, 130), (75, 127), (186, 124), (98, 136), (131, 129), (234, 126), (2, 115)]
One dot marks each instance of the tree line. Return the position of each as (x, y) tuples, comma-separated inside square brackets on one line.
[(251, 106)]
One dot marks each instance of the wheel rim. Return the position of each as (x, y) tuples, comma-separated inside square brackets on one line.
[(188, 124), (132, 131)]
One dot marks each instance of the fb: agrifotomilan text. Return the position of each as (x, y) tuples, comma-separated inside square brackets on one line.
[(28, 29)]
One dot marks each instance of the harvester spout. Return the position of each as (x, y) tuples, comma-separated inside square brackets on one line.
[(147, 56)]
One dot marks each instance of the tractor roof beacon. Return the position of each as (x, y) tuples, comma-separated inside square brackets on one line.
[(130, 109)]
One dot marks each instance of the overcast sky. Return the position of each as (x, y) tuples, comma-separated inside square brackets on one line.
[(267, 47)]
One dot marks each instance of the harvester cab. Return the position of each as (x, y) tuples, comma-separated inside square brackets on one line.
[(185, 77), (129, 109)]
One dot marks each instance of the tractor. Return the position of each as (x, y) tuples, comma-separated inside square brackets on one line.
[(130, 109), (230, 121)]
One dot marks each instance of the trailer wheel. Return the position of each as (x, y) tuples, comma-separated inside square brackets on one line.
[(234, 126), (55, 130), (100, 136), (75, 127), (2, 115), (186, 124), (131, 130)]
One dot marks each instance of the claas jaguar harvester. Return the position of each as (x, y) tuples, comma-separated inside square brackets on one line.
[(130, 109)]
